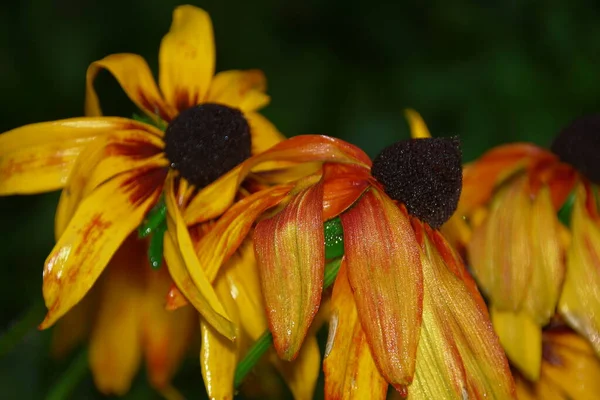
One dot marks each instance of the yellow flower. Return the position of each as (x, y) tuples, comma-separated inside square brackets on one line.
[(527, 263), (115, 171)]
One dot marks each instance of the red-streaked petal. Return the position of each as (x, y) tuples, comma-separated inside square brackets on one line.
[(99, 226), (291, 257), (214, 199), (134, 76), (350, 372), (459, 356), (384, 269), (343, 185), (225, 237), (187, 58), (580, 299), (186, 270), (239, 89)]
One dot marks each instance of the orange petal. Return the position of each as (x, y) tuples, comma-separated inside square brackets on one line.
[(239, 89), (74, 327), (384, 270), (100, 225), (500, 251), (175, 299), (418, 128), (39, 157), (214, 199), (115, 344), (459, 356), (231, 229), (186, 270), (187, 58), (166, 334), (343, 185), (580, 298), (547, 260), (350, 372), (134, 76), (291, 257)]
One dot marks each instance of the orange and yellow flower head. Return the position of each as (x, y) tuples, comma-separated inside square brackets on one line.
[(534, 238)]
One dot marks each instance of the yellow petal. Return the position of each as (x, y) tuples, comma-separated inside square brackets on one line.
[(521, 338), (350, 372), (264, 134), (187, 58), (301, 374), (187, 272), (166, 334), (500, 251), (580, 298), (291, 256), (239, 89), (418, 128), (115, 344), (214, 199), (100, 225), (39, 157), (225, 237), (459, 356), (384, 269), (547, 263), (134, 76), (74, 327), (218, 355)]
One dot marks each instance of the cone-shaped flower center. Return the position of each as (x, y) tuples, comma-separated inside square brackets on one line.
[(579, 145), (423, 174), (206, 141)]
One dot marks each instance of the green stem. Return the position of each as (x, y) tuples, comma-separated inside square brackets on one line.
[(70, 378), (260, 347), (16, 332)]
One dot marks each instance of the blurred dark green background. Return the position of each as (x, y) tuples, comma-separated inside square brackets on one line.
[(489, 71)]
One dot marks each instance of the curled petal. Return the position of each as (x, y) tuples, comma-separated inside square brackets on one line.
[(39, 157), (580, 299), (418, 128), (186, 271), (134, 76), (350, 372), (343, 185), (187, 58), (214, 199), (240, 89), (291, 257), (384, 269), (459, 356), (115, 343), (98, 227)]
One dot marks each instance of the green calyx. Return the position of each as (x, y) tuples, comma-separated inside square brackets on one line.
[(160, 124), (564, 214), (154, 226), (334, 238)]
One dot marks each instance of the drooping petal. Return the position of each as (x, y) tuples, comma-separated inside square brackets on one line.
[(350, 372), (218, 355), (75, 326), (214, 199), (166, 334), (384, 269), (343, 185), (222, 241), (291, 256), (521, 339), (500, 250), (239, 89), (547, 260), (39, 157), (418, 128), (580, 299), (115, 345), (186, 271), (187, 58), (98, 227), (301, 374), (134, 76), (459, 356)]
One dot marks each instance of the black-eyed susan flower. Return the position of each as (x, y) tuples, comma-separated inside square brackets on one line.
[(406, 312), (534, 243), (116, 172)]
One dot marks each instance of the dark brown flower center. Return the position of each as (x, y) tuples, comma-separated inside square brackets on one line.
[(206, 141), (423, 174), (579, 145)]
